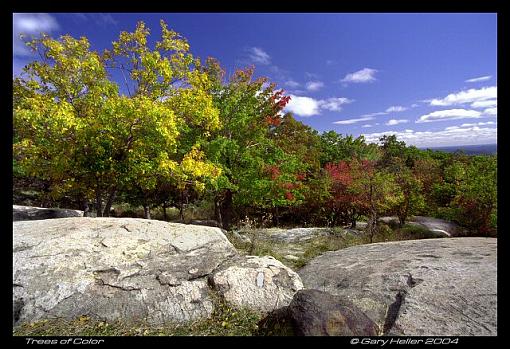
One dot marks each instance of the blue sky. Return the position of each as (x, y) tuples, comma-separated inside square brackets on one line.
[(431, 79)]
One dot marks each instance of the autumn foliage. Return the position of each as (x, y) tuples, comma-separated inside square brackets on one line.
[(177, 130)]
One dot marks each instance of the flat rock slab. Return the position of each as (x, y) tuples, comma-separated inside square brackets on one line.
[(25, 213), (433, 287), (437, 226), (295, 235), (125, 269)]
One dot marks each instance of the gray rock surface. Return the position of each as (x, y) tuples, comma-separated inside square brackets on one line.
[(317, 313), (274, 287), (433, 287), (295, 235), (25, 213), (437, 227), (129, 269)]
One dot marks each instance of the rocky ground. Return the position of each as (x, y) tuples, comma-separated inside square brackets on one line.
[(323, 281), (433, 287)]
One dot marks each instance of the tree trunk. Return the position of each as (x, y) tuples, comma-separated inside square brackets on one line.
[(86, 209), (164, 212), (99, 203), (276, 218), (353, 219), (401, 220), (403, 214), (217, 209), (109, 202), (372, 225), (181, 206), (146, 212), (226, 210)]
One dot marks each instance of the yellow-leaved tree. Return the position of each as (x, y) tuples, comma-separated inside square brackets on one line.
[(76, 127)]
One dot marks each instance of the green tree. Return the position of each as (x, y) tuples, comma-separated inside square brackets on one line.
[(376, 190), (249, 110), (72, 124)]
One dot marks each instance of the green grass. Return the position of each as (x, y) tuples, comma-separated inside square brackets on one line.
[(225, 321), (311, 249)]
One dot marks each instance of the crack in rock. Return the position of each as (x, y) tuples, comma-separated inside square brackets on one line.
[(393, 311)]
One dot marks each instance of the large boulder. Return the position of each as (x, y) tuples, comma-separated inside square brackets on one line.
[(317, 313), (274, 287), (132, 270), (25, 213), (433, 287)]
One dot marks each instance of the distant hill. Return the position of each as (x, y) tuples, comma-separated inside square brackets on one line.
[(468, 149)]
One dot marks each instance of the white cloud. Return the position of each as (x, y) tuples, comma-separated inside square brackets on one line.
[(479, 124), (363, 75), (366, 125), (414, 105), (485, 104), (469, 96), (352, 121), (314, 85), (292, 83), (396, 108), (307, 106), (375, 114), (30, 24), (396, 122), (258, 55), (481, 78), (491, 111), (449, 114), (449, 136), (303, 106), (333, 104)]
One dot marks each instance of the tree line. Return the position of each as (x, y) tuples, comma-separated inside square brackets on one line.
[(152, 125)]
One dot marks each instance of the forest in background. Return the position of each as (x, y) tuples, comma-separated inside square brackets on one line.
[(183, 133)]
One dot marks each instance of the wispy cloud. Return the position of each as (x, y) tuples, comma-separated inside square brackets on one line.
[(481, 78), (375, 114), (366, 125), (309, 75), (258, 55), (395, 108), (450, 114), (353, 121), (468, 96), (334, 104), (485, 104), (392, 122), (361, 76), (448, 136), (491, 111), (101, 19), (307, 106), (479, 124), (292, 84), (314, 85), (30, 24)]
